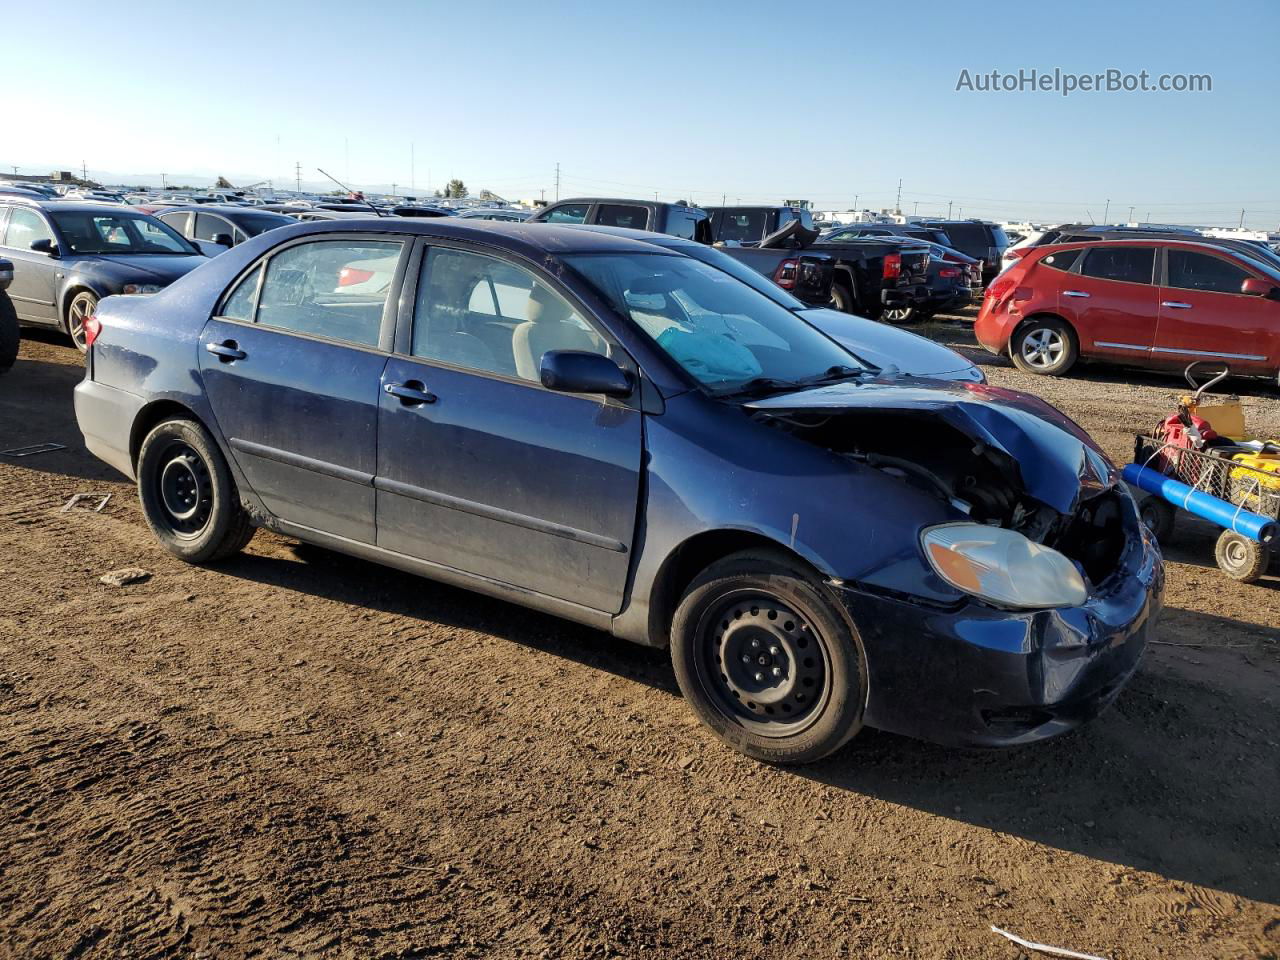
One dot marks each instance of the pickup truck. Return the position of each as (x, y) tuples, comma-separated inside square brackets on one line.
[(806, 276)]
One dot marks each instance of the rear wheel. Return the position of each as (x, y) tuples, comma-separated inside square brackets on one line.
[(1160, 516), (1045, 346), (898, 314), (766, 661), (187, 494), (841, 298), (1240, 558), (81, 307), (10, 335)]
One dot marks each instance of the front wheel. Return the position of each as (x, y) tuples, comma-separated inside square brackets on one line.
[(1045, 346), (1240, 558), (841, 298), (765, 660), (187, 494), (80, 309)]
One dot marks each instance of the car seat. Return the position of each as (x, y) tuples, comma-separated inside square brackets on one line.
[(549, 325)]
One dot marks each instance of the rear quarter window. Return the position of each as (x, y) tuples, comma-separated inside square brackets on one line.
[(1062, 260)]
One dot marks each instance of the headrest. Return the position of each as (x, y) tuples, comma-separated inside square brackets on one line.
[(545, 307)]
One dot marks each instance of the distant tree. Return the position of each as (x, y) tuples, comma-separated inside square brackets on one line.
[(456, 190), (438, 194)]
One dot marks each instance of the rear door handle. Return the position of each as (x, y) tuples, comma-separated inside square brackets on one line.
[(1175, 304), (411, 392), (226, 351), (1074, 293)]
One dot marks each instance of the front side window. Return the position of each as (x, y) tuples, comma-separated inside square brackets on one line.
[(108, 233), (1200, 271), (1126, 264), (25, 228), (721, 331), (568, 213), (621, 215), (329, 288), (486, 314)]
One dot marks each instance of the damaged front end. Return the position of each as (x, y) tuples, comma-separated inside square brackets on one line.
[(1038, 593)]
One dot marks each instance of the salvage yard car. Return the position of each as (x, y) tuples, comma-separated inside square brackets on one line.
[(651, 448), (67, 255), (1157, 303)]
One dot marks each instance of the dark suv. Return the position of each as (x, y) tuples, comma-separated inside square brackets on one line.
[(67, 256), (675, 219), (980, 239)]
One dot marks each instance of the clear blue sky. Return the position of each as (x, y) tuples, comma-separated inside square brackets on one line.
[(759, 100)]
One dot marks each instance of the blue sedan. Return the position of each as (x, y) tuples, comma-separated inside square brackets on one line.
[(628, 437)]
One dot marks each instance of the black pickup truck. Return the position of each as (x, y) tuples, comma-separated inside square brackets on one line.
[(807, 276)]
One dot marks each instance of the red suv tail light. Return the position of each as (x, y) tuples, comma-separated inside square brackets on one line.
[(92, 327), (787, 273), (351, 275), (999, 288), (892, 266), (1016, 253)]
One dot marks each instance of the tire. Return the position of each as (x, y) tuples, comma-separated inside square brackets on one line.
[(841, 298), (10, 333), (1160, 516), (899, 314), (803, 696), (1240, 558), (82, 305), (1045, 346), (187, 494)]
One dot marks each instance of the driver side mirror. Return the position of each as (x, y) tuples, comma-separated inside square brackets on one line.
[(1254, 287), (577, 371), (47, 247), (222, 239)]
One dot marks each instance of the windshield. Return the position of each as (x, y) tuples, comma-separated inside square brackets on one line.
[(725, 334), (91, 232), (256, 223), (722, 261)]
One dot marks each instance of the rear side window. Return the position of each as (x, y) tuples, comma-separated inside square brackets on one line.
[(176, 220), (569, 213), (25, 228), (242, 302), (208, 226), (1200, 271), (1062, 260), (329, 288), (1125, 264), (967, 234), (742, 225), (619, 215), (682, 224)]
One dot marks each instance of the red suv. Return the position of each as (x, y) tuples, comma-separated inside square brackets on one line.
[(1151, 303)]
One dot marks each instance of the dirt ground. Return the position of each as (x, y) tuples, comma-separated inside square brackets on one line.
[(298, 754)]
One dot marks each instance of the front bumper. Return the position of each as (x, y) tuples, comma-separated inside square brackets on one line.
[(980, 676)]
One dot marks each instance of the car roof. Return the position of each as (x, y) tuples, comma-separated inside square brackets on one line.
[(1206, 242), (76, 206), (228, 209), (530, 239)]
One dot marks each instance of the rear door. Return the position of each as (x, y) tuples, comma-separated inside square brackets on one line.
[(292, 365), (1203, 314), (1112, 302), (484, 470)]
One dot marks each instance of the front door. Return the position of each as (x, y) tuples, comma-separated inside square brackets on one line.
[(292, 365), (35, 275), (1113, 303), (482, 469), (1204, 316)]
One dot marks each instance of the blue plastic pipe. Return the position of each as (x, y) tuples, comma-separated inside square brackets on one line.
[(1251, 525)]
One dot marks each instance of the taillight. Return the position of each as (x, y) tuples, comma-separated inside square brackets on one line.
[(949, 272), (892, 266), (351, 275), (92, 327), (786, 274), (999, 288)]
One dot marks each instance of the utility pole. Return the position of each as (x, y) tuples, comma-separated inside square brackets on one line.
[(897, 204), (393, 188), (163, 183), (557, 180), (1241, 219), (855, 201), (1148, 220), (915, 209), (297, 175), (949, 203), (1105, 211), (84, 171), (413, 176), (1131, 214)]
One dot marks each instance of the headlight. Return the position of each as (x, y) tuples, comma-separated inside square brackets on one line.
[(1002, 566), (141, 288)]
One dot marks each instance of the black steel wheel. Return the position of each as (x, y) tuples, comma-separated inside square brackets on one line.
[(1240, 558), (767, 660), (1160, 516), (188, 495)]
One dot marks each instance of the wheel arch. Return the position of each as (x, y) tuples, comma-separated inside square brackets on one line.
[(1043, 315), (693, 555), (151, 414)]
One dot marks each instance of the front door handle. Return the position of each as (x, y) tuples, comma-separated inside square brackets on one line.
[(1175, 304), (1074, 293), (411, 392), (226, 351)]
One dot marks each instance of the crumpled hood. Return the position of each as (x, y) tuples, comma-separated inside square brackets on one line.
[(119, 269), (1058, 462), (884, 346)]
